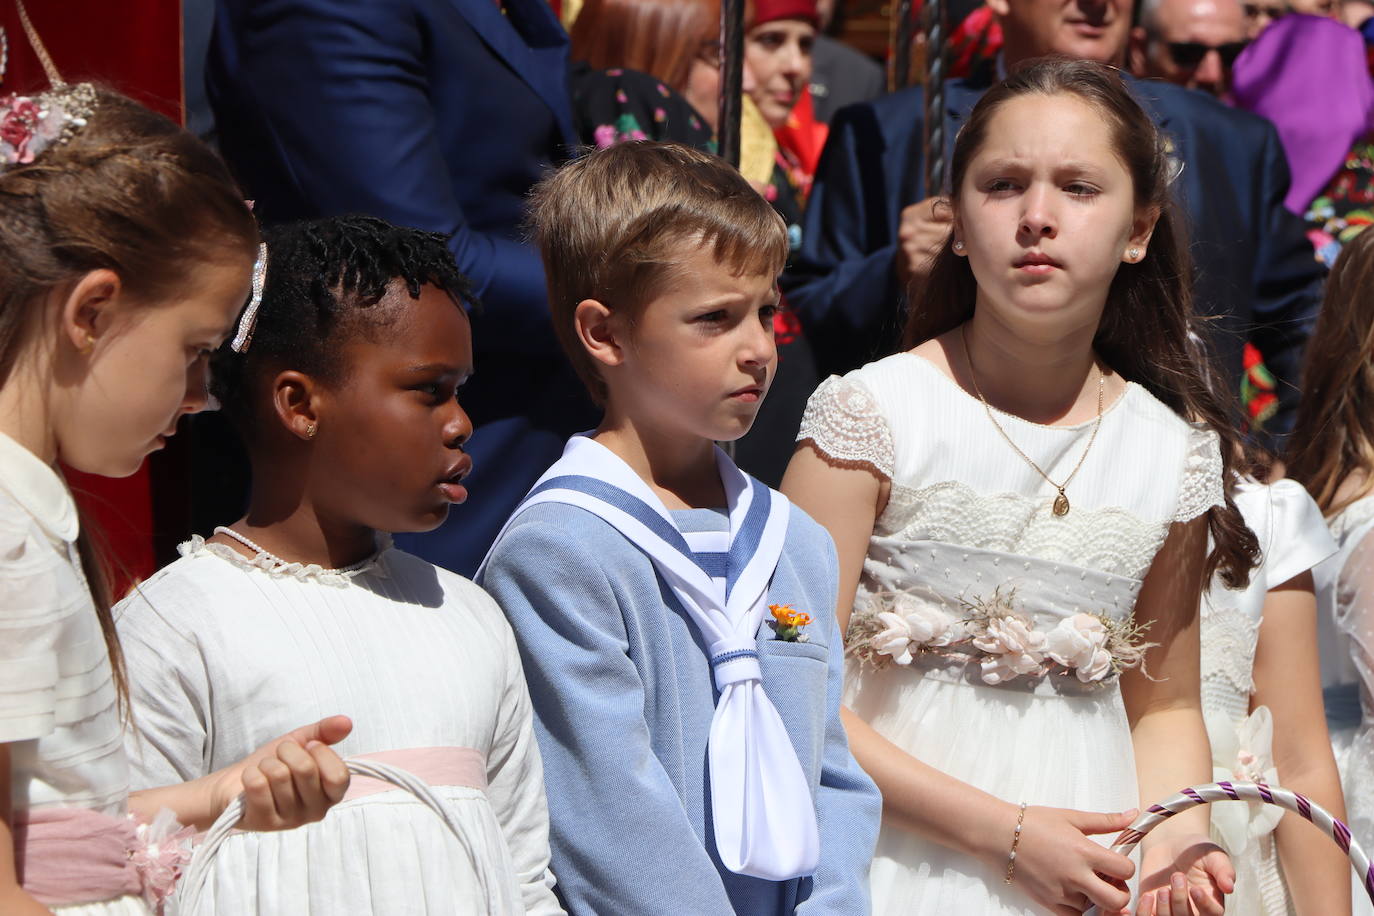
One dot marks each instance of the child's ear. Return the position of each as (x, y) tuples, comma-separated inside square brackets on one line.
[(1141, 230), (88, 308), (295, 398), (599, 331)]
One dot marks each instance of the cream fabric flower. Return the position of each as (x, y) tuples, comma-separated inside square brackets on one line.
[(894, 639), (928, 624), (1013, 649), (1242, 752), (1080, 642)]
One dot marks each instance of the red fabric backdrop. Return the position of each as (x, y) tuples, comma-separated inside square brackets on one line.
[(135, 46)]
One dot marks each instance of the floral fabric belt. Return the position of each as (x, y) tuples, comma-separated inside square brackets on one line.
[(998, 619)]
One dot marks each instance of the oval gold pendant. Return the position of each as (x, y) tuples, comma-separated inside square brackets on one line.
[(1061, 504)]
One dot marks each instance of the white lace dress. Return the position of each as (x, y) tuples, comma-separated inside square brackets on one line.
[(1345, 593), (1293, 539), (225, 653), (969, 520)]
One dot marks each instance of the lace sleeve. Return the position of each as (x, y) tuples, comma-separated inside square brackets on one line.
[(843, 422), (1200, 486)]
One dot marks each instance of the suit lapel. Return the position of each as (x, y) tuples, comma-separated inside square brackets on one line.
[(536, 51)]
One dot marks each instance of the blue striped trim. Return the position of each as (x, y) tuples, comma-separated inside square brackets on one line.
[(716, 565), (731, 656), (746, 541), (626, 502)]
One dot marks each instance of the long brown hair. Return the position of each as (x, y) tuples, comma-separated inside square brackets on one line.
[(657, 37), (1333, 437), (1148, 332), (130, 192)]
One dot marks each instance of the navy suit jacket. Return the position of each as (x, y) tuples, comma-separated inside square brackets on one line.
[(437, 114), (1254, 266)]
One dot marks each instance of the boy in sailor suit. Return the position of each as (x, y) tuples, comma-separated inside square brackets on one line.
[(674, 615)]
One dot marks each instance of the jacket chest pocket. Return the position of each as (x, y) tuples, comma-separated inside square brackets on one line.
[(796, 677)]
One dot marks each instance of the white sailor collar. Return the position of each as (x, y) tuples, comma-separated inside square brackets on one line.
[(39, 489)]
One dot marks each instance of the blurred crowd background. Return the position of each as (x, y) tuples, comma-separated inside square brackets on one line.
[(440, 114)]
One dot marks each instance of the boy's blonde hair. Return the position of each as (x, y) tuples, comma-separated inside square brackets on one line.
[(614, 225)]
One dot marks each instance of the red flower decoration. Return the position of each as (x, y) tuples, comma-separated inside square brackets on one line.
[(18, 126)]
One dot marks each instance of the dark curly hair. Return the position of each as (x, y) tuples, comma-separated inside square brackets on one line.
[(324, 280)]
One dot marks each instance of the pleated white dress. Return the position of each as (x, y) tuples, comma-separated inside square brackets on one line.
[(225, 653), (967, 517), (1293, 539)]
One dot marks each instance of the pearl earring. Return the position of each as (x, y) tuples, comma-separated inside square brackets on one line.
[(958, 246)]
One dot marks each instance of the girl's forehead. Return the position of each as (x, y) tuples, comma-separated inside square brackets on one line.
[(1061, 132), (1050, 124)]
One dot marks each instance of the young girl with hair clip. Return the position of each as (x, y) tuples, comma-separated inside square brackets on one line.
[(343, 382), (1332, 454), (127, 252), (1022, 503)]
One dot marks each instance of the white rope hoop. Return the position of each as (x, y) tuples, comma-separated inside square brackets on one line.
[(191, 887), (1249, 791)]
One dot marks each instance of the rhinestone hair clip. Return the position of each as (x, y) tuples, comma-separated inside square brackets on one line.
[(31, 124), (249, 320)]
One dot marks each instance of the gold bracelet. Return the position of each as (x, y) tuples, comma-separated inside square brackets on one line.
[(1015, 841)]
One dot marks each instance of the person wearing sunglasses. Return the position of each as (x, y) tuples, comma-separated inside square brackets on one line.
[(1193, 43)]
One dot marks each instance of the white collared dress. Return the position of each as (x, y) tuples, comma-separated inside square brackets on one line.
[(968, 521), (58, 707)]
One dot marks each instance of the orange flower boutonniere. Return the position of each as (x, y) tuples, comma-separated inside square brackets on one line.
[(787, 622)]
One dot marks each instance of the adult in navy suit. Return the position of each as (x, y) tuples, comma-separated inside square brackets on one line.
[(871, 224), (438, 114)]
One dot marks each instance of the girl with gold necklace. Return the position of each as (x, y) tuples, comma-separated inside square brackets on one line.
[(1021, 504)]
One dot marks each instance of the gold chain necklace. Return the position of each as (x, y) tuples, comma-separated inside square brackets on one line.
[(1061, 502)]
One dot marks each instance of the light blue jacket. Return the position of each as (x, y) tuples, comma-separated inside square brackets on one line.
[(623, 698)]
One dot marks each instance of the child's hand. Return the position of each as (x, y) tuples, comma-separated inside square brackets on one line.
[(1187, 875), (289, 781), (1063, 870)]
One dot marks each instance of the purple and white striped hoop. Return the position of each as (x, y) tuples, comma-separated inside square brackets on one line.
[(1249, 791)]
